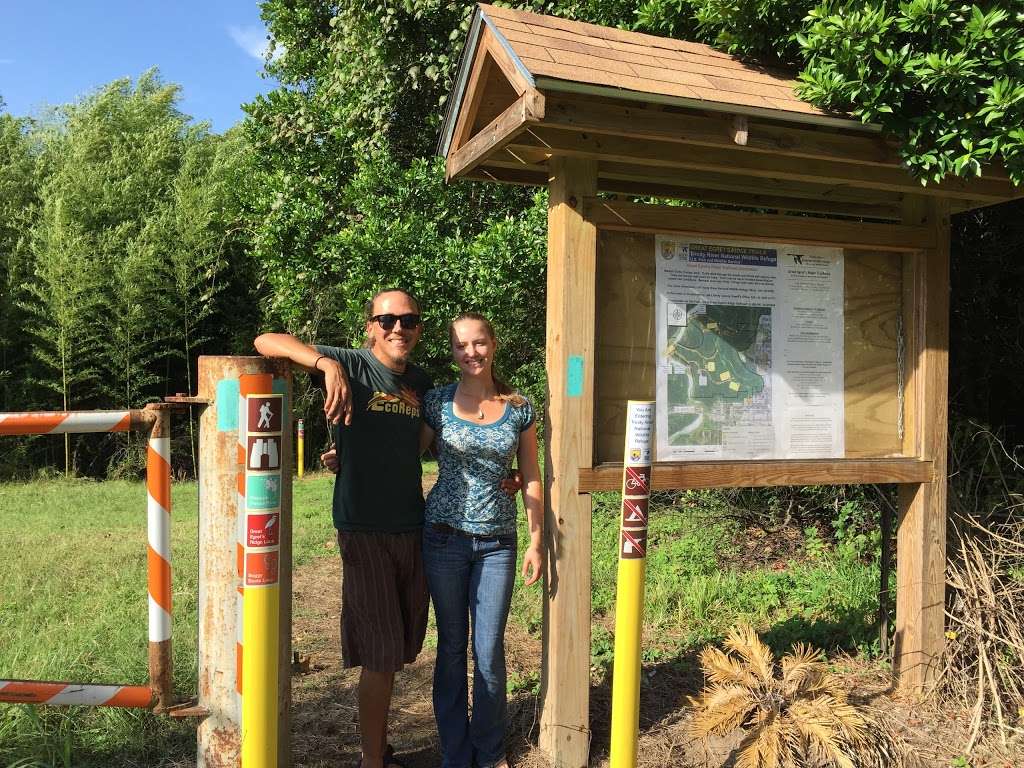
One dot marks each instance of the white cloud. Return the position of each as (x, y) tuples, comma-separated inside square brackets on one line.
[(252, 39)]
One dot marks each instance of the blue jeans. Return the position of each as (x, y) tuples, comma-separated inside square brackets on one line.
[(470, 578)]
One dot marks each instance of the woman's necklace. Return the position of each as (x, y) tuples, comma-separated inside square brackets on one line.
[(479, 407)]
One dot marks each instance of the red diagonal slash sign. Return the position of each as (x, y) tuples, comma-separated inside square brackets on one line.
[(637, 481), (632, 547), (634, 512)]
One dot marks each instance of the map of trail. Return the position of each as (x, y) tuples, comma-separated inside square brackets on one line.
[(720, 361)]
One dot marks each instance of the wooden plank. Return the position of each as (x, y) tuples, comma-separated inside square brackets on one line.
[(733, 183), (737, 225), (472, 98), (739, 160), (565, 681), (490, 43), (921, 538), (745, 474), (631, 121), (871, 307), (526, 110), (757, 195), (751, 199)]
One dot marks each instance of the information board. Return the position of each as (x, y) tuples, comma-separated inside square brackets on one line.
[(749, 350)]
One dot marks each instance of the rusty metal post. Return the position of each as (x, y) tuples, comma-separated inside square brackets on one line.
[(219, 735)]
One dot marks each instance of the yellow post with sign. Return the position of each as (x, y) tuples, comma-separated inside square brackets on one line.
[(301, 447), (263, 445), (629, 598)]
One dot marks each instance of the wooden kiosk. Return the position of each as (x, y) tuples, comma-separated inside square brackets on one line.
[(589, 110)]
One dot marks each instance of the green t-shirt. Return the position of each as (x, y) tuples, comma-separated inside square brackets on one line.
[(379, 487)]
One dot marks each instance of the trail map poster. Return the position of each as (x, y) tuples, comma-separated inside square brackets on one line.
[(749, 350)]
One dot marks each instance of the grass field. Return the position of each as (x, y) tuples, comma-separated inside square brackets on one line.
[(73, 605)]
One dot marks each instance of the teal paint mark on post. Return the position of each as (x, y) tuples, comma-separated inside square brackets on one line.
[(279, 387), (574, 376), (227, 405)]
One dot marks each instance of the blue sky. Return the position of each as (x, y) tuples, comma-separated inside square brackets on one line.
[(53, 51)]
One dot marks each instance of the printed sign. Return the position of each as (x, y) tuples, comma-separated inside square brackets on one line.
[(263, 491), (633, 544), (634, 513), (260, 569), (264, 453), (639, 426), (638, 481), (264, 414), (262, 530)]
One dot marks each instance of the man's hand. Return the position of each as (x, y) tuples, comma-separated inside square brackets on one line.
[(329, 459), (532, 561), (338, 399), (512, 483)]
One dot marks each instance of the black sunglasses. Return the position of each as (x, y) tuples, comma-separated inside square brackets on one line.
[(387, 322)]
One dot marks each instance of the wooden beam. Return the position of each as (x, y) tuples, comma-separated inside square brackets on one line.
[(526, 110), (506, 169), (758, 185), (738, 225), (471, 99), (636, 121), (921, 537), (738, 160), (572, 260), (503, 59), (750, 199), (735, 474)]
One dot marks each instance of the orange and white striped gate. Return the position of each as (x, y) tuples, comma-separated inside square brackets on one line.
[(158, 695)]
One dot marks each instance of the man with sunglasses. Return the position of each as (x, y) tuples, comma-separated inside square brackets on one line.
[(373, 396)]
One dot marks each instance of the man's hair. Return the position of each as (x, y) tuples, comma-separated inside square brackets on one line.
[(368, 307)]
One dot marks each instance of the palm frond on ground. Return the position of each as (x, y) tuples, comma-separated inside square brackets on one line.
[(795, 714)]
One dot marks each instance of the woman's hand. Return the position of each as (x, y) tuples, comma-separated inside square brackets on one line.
[(532, 563), (338, 398)]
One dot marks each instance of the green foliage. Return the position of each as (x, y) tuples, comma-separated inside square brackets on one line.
[(120, 229), (945, 78), (19, 205)]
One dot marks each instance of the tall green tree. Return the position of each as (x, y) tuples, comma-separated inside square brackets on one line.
[(19, 207), (63, 311)]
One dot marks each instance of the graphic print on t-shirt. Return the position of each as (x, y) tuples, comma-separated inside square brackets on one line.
[(406, 403)]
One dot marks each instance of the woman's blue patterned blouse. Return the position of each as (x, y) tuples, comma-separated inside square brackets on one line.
[(472, 461)]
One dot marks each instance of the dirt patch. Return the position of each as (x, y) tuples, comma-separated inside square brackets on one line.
[(325, 731)]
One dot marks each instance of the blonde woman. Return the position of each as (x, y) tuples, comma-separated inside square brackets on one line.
[(479, 426)]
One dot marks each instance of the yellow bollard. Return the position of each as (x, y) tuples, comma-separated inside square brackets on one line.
[(301, 443), (261, 596), (629, 598)]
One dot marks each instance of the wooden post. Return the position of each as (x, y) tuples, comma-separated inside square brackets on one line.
[(572, 259), (921, 538)]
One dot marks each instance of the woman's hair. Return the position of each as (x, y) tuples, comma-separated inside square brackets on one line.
[(505, 392)]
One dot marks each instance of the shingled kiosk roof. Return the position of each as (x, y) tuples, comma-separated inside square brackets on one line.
[(669, 118)]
